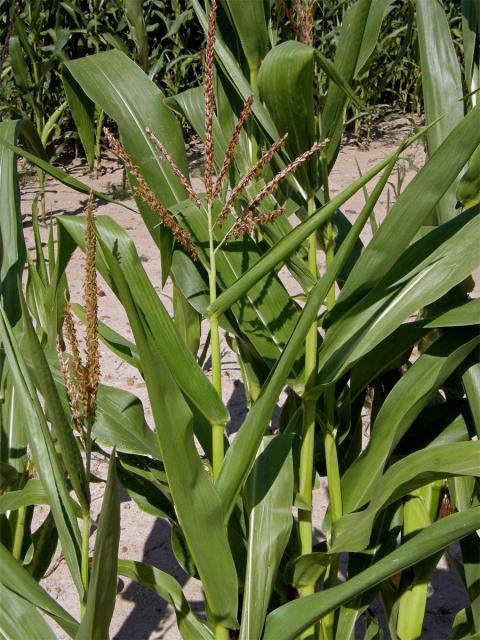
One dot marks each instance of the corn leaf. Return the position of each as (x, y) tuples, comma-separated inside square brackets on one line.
[(345, 62), (286, 622), (165, 585), (352, 532), (409, 396), (61, 175), (62, 428), (20, 619), (179, 359), (268, 497), (412, 208), (83, 114), (17, 579), (32, 493), (414, 282), (44, 454), (441, 85), (196, 501), (250, 24), (471, 383), (13, 252), (102, 587)]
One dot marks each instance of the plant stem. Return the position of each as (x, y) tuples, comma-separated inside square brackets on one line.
[(221, 632), (253, 133), (308, 438), (329, 236), (331, 455), (85, 570), (19, 533), (85, 559), (217, 429)]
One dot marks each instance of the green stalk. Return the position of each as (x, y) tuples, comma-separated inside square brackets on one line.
[(221, 632), (218, 452), (19, 533), (217, 429), (85, 569), (331, 455), (84, 563), (253, 133), (308, 438)]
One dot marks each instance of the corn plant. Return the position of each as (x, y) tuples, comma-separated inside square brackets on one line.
[(241, 509)]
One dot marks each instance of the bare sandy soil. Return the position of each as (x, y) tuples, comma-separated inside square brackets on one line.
[(140, 614)]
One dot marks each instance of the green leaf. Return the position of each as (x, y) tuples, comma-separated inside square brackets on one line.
[(113, 82), (32, 493), (471, 37), (44, 455), (352, 531), (14, 577), (307, 569), (468, 187), (409, 396), (20, 70), (138, 30), (179, 359), (376, 15), (413, 283), (471, 382), (268, 498), (190, 104), (61, 175), (196, 501), (187, 320), (470, 547), (345, 62), (118, 344), (165, 585), (286, 86), (20, 619), (241, 454), (102, 587), (394, 350), (441, 85), (145, 481), (120, 423), (412, 208), (250, 24), (83, 113), (8, 476), (61, 426), (12, 244), (289, 620)]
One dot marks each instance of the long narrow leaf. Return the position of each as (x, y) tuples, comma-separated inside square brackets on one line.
[(165, 585), (44, 454), (352, 532), (102, 588), (286, 622), (14, 577)]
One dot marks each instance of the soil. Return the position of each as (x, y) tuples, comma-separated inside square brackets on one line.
[(140, 614)]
